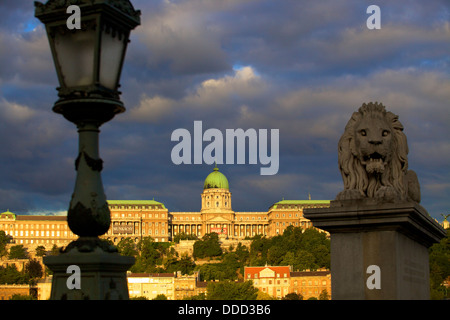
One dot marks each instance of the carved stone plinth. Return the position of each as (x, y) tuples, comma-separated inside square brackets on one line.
[(393, 236), (102, 273)]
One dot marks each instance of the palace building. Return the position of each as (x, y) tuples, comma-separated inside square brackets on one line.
[(149, 218)]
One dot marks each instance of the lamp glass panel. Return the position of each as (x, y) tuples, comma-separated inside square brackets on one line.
[(76, 53), (112, 49)]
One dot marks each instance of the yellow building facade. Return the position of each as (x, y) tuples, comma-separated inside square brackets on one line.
[(136, 219), (279, 281), (174, 286)]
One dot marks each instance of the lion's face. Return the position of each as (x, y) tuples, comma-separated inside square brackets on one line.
[(373, 155), (373, 143)]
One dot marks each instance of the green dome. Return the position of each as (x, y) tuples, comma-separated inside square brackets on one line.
[(216, 180)]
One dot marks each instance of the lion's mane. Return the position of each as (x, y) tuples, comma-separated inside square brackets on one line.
[(355, 175)]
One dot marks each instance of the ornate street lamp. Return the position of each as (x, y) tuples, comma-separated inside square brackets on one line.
[(88, 63)]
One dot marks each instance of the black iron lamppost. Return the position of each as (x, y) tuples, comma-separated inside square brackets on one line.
[(88, 63)]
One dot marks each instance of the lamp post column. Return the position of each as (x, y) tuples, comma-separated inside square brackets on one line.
[(88, 62), (88, 215)]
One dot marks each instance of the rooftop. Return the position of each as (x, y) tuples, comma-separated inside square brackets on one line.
[(304, 203), (267, 271), (216, 179), (135, 202)]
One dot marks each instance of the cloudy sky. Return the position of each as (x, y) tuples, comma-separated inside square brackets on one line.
[(301, 67)]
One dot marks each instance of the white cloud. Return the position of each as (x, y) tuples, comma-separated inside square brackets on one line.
[(212, 94), (14, 112)]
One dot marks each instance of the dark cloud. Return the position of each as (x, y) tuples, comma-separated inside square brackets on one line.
[(301, 67)]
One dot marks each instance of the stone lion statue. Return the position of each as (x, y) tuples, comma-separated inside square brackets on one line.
[(373, 160)]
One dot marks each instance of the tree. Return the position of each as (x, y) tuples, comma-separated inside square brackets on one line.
[(34, 270), (231, 290), (160, 297), (4, 240), (264, 296), (242, 253), (18, 252), (55, 250), (209, 246), (150, 255), (185, 264), (324, 295), (200, 296), (11, 275), (275, 255), (21, 297), (293, 296), (440, 268), (258, 250), (138, 298), (127, 247), (40, 251), (184, 236), (304, 260)]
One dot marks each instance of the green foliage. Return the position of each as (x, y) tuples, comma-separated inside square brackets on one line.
[(40, 251), (150, 254), (209, 246), (184, 236), (138, 298), (21, 297), (324, 295), (55, 250), (231, 290), (302, 250), (200, 296), (4, 240), (10, 275), (231, 263), (440, 268), (185, 264), (293, 296), (160, 297), (18, 252), (34, 269), (127, 247)]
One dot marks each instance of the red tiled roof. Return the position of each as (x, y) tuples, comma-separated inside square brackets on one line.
[(142, 275), (283, 271), (310, 273)]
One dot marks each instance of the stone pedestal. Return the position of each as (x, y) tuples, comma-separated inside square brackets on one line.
[(102, 274), (393, 236)]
